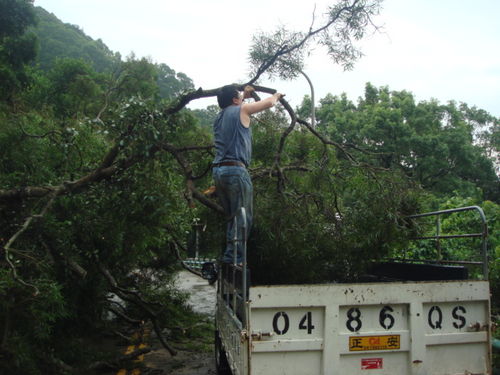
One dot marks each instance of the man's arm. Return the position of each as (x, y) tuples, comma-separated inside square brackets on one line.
[(248, 109)]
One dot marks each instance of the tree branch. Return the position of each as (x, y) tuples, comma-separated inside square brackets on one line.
[(175, 246), (260, 173), (75, 267), (104, 171), (39, 135), (16, 235), (118, 361), (188, 174), (135, 298), (327, 141), (125, 317), (336, 14)]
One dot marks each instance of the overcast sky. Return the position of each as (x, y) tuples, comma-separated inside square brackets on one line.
[(442, 49)]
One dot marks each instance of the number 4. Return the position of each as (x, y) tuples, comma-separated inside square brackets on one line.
[(306, 323)]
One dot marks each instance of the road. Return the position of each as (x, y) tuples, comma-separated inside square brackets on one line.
[(202, 295)]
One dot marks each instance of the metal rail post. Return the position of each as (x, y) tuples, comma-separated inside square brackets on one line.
[(483, 234), (244, 266), (234, 267)]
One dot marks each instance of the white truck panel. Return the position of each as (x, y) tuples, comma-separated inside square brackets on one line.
[(417, 328)]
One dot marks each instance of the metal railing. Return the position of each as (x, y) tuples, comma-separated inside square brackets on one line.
[(438, 237), (230, 294), (197, 263)]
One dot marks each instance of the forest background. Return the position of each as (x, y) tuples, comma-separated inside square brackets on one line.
[(105, 179)]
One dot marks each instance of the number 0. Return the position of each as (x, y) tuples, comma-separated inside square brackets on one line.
[(286, 323)]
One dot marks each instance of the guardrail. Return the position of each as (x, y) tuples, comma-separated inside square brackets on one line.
[(197, 263), (483, 235)]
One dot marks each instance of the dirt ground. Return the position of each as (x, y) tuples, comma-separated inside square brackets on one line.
[(159, 362)]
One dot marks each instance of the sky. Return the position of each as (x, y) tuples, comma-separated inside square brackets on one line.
[(435, 49)]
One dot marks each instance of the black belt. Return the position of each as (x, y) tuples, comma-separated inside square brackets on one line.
[(229, 164)]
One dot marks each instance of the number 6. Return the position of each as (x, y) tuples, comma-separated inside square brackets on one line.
[(384, 315)]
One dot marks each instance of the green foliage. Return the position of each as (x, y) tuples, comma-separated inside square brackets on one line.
[(139, 78), (34, 319), (125, 223), (206, 117), (121, 223), (171, 83), (432, 143), (265, 46), (188, 330), (64, 41), (282, 53), (486, 132), (15, 17), (17, 48), (324, 219), (74, 89), (463, 249), (331, 222)]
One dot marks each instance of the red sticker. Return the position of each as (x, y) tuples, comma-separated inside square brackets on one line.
[(371, 363)]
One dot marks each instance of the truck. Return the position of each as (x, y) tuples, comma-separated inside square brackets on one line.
[(412, 317)]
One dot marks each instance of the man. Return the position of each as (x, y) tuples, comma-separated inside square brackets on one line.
[(233, 152)]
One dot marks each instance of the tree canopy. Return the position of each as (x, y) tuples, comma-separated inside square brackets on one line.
[(104, 172)]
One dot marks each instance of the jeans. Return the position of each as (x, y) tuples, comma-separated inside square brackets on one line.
[(234, 190)]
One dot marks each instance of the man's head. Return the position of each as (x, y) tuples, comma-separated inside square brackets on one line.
[(228, 95)]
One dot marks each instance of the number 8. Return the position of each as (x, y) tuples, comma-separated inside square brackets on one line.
[(354, 315)]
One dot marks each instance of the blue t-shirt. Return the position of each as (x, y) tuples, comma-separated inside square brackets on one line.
[(233, 141)]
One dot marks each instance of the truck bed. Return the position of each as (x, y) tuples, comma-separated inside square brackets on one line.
[(390, 328)]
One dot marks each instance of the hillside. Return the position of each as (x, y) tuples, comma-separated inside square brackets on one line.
[(62, 40), (59, 40)]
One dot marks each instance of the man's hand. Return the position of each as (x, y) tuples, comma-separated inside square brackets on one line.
[(247, 92), (248, 109), (278, 96)]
